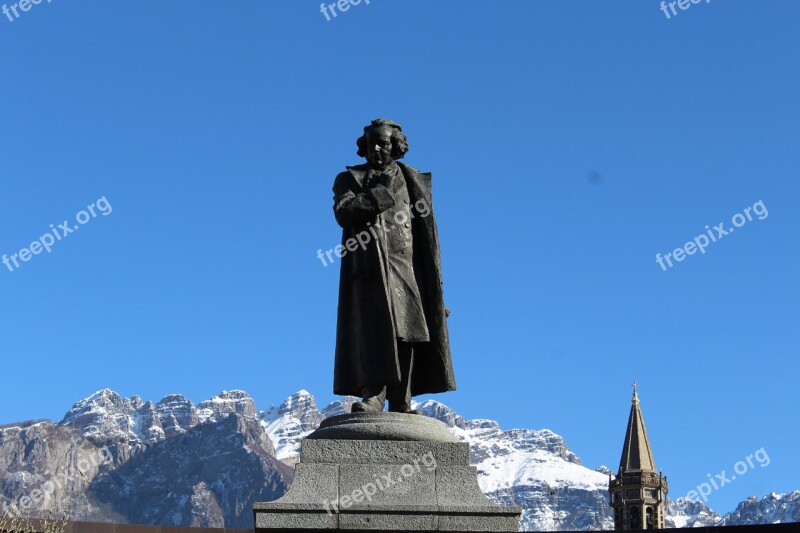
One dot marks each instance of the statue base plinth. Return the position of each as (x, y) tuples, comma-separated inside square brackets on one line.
[(384, 471)]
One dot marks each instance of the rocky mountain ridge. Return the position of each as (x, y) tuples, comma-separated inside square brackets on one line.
[(173, 463)]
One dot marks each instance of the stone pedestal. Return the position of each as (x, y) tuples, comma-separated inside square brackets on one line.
[(384, 471)]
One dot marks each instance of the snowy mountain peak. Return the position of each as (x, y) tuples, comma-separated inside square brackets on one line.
[(177, 414), (105, 414), (441, 412), (685, 512), (298, 404), (338, 407), (603, 469), (771, 509), (172, 399), (225, 403), (296, 418), (104, 398)]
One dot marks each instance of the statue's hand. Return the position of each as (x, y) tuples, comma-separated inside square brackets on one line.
[(389, 181), (446, 312)]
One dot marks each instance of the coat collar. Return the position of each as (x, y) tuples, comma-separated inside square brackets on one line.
[(421, 181), (360, 171)]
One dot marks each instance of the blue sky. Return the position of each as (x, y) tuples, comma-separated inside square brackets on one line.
[(569, 143)]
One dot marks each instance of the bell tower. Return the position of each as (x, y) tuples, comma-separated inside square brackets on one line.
[(639, 492)]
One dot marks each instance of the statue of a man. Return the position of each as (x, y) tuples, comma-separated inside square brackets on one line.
[(391, 336)]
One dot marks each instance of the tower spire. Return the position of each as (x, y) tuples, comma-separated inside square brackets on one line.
[(638, 492), (636, 451)]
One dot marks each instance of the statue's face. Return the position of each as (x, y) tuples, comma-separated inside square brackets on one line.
[(379, 146)]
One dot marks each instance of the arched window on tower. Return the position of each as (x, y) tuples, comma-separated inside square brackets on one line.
[(633, 518), (651, 521)]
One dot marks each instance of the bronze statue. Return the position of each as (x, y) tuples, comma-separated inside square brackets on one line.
[(391, 336)]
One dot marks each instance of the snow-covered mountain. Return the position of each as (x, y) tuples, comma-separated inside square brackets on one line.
[(125, 460), (684, 512), (533, 469), (771, 509), (173, 463), (295, 418)]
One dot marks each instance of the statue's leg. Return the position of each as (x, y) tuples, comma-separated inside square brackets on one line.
[(399, 395), (374, 399)]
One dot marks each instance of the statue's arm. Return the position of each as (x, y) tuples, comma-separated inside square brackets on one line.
[(353, 208)]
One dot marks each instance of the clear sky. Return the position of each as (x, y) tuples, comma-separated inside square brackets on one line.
[(570, 142)]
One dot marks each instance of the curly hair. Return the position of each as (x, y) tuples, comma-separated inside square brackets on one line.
[(399, 140)]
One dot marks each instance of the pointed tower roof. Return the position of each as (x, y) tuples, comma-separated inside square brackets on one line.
[(636, 454)]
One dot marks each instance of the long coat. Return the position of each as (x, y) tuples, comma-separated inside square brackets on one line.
[(366, 349)]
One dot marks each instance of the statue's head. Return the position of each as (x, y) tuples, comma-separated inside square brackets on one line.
[(382, 142)]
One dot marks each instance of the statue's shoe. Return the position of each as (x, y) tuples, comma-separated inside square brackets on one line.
[(369, 405)]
